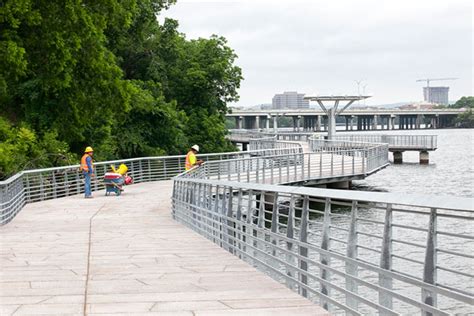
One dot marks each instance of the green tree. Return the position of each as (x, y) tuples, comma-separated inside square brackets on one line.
[(464, 102), (21, 148), (105, 73), (466, 119)]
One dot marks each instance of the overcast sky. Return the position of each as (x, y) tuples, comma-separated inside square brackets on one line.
[(322, 47)]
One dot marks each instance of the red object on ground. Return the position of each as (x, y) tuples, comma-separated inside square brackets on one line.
[(128, 180)]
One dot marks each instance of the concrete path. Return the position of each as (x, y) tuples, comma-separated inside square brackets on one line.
[(126, 255)]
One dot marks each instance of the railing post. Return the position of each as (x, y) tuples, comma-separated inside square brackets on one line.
[(429, 269), (386, 259), (351, 269), (238, 227), (230, 223), (275, 219), (289, 245), (325, 241), (304, 250)]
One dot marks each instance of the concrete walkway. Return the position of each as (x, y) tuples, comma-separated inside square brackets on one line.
[(126, 255)]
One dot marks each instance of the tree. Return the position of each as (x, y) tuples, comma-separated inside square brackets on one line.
[(464, 102), (106, 73)]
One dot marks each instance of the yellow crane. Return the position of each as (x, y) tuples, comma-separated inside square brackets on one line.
[(428, 85)]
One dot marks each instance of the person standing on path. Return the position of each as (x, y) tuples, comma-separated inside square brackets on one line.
[(87, 168), (191, 160)]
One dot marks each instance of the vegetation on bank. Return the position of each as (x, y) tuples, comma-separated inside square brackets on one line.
[(466, 119), (109, 75)]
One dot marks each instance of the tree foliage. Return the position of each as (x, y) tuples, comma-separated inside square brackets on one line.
[(464, 102), (106, 73)]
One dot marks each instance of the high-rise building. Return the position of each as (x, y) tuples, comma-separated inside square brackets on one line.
[(438, 95), (290, 100)]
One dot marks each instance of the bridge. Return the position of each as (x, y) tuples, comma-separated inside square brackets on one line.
[(355, 119), (346, 251)]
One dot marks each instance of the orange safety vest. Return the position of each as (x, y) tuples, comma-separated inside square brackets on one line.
[(84, 166), (188, 164)]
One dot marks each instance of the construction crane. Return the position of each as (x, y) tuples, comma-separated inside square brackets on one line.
[(428, 84)]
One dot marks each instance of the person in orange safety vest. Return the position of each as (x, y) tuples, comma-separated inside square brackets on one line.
[(87, 168)]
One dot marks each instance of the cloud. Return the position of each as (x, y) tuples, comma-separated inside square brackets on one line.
[(323, 46)]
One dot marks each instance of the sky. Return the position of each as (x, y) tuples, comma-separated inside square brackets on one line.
[(324, 47)]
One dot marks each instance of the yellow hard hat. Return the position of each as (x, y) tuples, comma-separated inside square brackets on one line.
[(89, 149)]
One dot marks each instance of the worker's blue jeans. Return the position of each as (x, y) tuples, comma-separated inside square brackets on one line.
[(87, 184)]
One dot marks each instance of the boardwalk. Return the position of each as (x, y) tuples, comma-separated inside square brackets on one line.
[(127, 256)]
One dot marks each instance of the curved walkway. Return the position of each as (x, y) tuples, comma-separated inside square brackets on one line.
[(127, 256)]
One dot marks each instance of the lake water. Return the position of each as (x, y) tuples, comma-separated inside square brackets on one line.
[(449, 173)]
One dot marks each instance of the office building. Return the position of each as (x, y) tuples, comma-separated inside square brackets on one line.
[(438, 95), (290, 100)]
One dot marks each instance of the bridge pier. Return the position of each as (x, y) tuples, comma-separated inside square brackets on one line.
[(375, 122), (318, 123), (424, 158), (238, 122), (398, 157)]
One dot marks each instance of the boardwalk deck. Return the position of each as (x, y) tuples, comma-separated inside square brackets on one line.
[(126, 255)]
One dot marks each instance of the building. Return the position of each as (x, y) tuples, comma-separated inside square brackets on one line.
[(290, 100), (438, 95)]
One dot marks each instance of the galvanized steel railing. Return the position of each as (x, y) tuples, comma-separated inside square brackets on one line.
[(395, 142), (296, 166), (43, 184), (375, 153), (272, 142), (358, 252)]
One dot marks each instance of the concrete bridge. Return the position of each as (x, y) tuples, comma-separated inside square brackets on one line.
[(354, 119), (207, 242)]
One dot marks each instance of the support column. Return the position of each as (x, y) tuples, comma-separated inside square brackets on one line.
[(375, 122), (352, 122), (392, 121), (332, 123), (298, 123), (267, 123), (257, 122), (318, 123), (424, 158), (275, 123), (347, 122), (398, 157), (419, 120), (238, 122)]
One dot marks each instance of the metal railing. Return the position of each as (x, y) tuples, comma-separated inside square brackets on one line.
[(44, 184), (296, 166), (241, 134), (400, 142), (375, 153), (358, 252), (272, 142)]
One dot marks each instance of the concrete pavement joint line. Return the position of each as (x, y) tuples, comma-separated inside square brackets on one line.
[(89, 259)]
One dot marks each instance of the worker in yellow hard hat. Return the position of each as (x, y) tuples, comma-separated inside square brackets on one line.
[(87, 168)]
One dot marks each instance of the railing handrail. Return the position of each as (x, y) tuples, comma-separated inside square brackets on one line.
[(461, 204), (100, 163)]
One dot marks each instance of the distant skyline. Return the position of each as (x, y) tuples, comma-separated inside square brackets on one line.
[(317, 47)]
